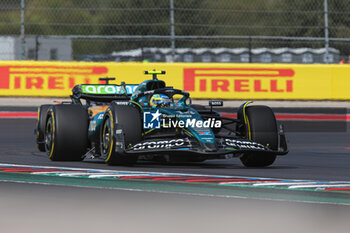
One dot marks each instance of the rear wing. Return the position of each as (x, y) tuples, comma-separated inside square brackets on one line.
[(103, 92)]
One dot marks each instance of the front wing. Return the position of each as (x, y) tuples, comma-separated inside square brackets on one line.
[(223, 146)]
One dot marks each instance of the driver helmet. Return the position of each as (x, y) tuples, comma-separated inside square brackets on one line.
[(160, 100)]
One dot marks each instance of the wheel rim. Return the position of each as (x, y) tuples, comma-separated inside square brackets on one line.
[(49, 135), (106, 137)]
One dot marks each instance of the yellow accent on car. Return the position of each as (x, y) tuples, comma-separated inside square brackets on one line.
[(130, 101), (111, 136), (248, 128), (246, 120), (38, 114), (154, 72), (53, 133), (149, 131), (187, 131)]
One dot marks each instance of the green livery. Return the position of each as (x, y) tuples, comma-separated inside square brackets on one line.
[(128, 122)]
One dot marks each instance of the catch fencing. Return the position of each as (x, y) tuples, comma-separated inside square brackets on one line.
[(175, 30)]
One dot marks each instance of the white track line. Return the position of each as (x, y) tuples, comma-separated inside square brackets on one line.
[(301, 183), (319, 186), (99, 173), (120, 175), (182, 193), (135, 172), (283, 183)]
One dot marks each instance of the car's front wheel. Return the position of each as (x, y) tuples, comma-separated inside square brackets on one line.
[(261, 127)]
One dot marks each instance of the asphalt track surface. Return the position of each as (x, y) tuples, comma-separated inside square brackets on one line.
[(319, 156), (313, 155)]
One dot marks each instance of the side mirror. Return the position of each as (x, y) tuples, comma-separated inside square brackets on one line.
[(215, 103)]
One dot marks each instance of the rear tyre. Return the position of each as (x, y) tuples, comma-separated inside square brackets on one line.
[(261, 127), (40, 127), (129, 121), (66, 132)]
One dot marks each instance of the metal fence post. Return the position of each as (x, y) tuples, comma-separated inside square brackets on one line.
[(22, 31), (172, 30), (326, 33), (250, 49)]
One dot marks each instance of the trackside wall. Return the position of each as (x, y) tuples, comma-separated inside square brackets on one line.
[(202, 80)]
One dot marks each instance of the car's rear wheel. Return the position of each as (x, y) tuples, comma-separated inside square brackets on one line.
[(128, 119), (66, 132), (261, 127), (40, 127)]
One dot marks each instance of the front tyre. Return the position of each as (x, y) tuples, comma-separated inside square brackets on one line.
[(129, 121), (261, 127), (66, 132)]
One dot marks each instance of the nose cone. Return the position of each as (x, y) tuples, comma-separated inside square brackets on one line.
[(210, 147)]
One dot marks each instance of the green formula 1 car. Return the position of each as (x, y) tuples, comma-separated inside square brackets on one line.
[(123, 123)]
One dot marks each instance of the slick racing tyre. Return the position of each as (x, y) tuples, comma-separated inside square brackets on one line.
[(129, 123), (40, 127), (66, 132), (261, 127)]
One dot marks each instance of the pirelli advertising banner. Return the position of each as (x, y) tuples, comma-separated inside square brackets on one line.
[(202, 80)]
